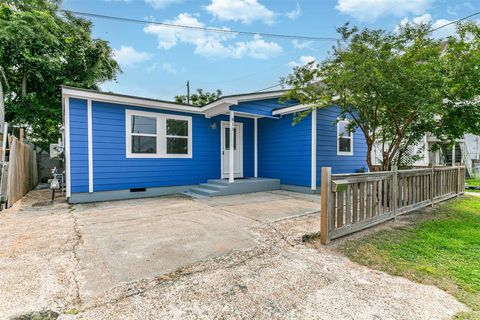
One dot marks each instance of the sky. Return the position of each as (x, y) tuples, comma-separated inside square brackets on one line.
[(157, 61)]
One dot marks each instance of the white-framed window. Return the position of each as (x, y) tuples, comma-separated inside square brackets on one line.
[(158, 135), (344, 139)]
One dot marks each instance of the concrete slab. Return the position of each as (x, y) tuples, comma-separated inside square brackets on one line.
[(267, 206), (125, 241)]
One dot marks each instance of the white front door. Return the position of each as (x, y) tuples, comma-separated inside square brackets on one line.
[(237, 149)]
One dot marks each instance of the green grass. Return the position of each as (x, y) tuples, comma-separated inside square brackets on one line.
[(442, 248), (473, 182)]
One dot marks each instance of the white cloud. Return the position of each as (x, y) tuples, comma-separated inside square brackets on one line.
[(128, 56), (370, 10), (295, 13), (158, 4), (297, 44), (162, 66), (453, 10), (303, 60), (427, 18), (210, 44), (261, 49), (245, 11)]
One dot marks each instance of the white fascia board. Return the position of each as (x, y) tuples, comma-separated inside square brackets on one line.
[(99, 96), (292, 109), (219, 108), (218, 103), (258, 96)]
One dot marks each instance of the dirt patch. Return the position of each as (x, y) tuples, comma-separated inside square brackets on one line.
[(36, 260)]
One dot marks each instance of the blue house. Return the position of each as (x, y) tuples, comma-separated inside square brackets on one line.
[(120, 147)]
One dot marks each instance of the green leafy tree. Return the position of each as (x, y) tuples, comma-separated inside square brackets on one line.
[(42, 48), (397, 86), (199, 98)]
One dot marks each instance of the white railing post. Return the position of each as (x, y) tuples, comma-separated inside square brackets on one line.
[(326, 198)]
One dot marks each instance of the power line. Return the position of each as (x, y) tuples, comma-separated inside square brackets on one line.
[(455, 21), (208, 29), (271, 87)]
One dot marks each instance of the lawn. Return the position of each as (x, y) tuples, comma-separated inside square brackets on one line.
[(442, 248), (473, 182)]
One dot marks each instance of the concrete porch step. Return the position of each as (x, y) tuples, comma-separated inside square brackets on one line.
[(213, 186), (204, 191), (221, 187)]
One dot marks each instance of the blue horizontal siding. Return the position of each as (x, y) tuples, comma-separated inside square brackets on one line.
[(261, 107), (78, 145), (112, 170), (327, 145), (284, 150)]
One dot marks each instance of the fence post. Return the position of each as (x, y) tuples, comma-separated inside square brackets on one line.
[(432, 184), (458, 188), (395, 191), (325, 214)]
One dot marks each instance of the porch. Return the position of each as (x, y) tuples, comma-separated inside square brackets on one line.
[(245, 136), (223, 187)]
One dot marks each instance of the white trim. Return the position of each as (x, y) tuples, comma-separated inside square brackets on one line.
[(255, 147), (256, 96), (90, 145), (343, 153), (213, 108), (231, 137), (119, 99), (292, 109), (68, 186), (161, 134), (239, 145), (314, 151)]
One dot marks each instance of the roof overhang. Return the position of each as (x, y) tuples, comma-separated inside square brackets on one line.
[(127, 100), (214, 108)]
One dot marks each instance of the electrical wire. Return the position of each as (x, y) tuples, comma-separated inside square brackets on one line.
[(208, 29)]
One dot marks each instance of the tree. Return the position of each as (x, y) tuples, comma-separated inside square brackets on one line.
[(42, 48), (397, 86), (200, 98)]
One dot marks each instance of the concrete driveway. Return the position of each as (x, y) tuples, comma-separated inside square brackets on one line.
[(234, 257), (124, 241)]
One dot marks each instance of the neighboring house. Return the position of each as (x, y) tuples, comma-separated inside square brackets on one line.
[(466, 151), (120, 147)]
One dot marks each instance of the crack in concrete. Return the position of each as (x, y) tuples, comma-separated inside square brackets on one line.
[(263, 223), (76, 244), (183, 272)]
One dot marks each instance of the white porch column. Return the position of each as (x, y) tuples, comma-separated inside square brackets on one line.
[(313, 173), (453, 155), (231, 150), (255, 147)]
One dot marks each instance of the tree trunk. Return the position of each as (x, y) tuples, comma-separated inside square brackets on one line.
[(369, 156), (24, 85)]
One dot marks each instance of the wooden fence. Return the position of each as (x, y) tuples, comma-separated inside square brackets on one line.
[(20, 175), (353, 202)]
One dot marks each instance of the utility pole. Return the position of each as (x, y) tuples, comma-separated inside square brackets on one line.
[(188, 92)]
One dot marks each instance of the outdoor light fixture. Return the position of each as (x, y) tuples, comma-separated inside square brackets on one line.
[(213, 125)]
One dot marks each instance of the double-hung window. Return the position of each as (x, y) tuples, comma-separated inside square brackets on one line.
[(158, 135), (344, 139)]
